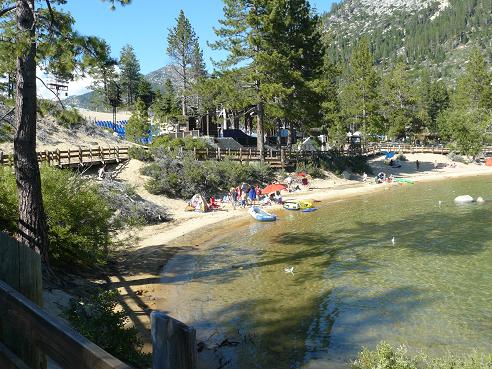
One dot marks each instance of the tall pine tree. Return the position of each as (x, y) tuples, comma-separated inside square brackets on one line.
[(359, 91), (129, 74)]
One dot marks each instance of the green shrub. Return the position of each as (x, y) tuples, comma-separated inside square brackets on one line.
[(96, 319), (313, 170), (337, 163), (188, 143), (79, 219), (182, 178), (69, 117), (401, 157), (8, 201), (140, 153), (457, 158), (387, 357), (6, 132)]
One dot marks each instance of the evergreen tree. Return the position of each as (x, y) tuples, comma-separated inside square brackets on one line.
[(398, 103), (139, 124), (359, 91), (130, 76), (470, 113), (166, 105), (185, 54), (145, 92), (45, 36)]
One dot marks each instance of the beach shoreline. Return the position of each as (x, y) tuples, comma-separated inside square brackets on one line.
[(138, 271)]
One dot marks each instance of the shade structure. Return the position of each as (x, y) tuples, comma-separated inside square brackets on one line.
[(273, 188)]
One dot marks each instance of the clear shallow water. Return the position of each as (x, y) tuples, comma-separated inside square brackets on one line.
[(351, 287)]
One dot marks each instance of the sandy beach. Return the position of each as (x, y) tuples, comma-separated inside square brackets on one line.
[(137, 272)]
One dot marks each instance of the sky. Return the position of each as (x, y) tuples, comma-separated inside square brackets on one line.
[(144, 24)]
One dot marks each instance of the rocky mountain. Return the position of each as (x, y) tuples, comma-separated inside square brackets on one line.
[(436, 34)]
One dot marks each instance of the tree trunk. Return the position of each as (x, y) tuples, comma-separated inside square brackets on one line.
[(32, 219), (259, 131)]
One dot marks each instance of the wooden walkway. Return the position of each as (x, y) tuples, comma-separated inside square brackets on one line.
[(83, 157)]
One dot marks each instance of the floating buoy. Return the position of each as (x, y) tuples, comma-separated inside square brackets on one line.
[(480, 200)]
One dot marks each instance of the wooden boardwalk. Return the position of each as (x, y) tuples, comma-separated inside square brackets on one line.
[(84, 157)]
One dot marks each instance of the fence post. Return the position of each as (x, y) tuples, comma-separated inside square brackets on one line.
[(240, 154), (58, 158), (1, 157), (173, 343), (282, 157), (81, 159), (20, 267)]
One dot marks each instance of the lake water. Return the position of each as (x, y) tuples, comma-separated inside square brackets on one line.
[(351, 287)]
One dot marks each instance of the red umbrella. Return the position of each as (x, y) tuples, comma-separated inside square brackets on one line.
[(273, 188)]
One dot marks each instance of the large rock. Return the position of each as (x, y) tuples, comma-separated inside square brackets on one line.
[(463, 199)]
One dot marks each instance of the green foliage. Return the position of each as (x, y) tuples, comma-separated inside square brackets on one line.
[(313, 170), (98, 319), (8, 201), (166, 105), (187, 143), (470, 112), (387, 357), (140, 153), (6, 132), (178, 178), (359, 90), (130, 76), (139, 124), (337, 162), (65, 117), (79, 218)]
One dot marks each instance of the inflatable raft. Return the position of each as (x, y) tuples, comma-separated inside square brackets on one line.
[(261, 215)]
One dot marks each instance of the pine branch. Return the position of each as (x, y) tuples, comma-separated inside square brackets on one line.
[(54, 93), (6, 10)]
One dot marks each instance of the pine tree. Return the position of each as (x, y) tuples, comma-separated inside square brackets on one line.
[(130, 74), (185, 54), (139, 124), (359, 91), (166, 104), (48, 39), (470, 112), (398, 102)]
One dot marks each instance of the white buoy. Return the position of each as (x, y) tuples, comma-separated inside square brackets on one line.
[(393, 241), (480, 200), (463, 199)]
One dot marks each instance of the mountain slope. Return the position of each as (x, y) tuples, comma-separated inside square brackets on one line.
[(432, 33)]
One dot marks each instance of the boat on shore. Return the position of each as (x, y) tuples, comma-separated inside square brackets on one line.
[(292, 205), (261, 215)]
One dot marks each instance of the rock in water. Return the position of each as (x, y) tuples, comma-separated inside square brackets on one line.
[(480, 200), (463, 199)]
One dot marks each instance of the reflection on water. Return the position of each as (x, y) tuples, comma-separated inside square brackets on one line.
[(351, 286)]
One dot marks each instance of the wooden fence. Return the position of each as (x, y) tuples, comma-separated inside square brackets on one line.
[(28, 334), (79, 157), (76, 157)]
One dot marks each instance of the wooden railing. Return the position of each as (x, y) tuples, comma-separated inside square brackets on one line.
[(277, 158), (77, 156)]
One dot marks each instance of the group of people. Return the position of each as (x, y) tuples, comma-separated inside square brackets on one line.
[(245, 195)]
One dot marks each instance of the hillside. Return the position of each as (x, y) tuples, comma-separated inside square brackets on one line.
[(432, 33), (90, 100)]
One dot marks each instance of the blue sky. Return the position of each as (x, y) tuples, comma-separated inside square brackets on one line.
[(144, 25)]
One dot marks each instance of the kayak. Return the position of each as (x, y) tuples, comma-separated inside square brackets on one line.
[(261, 215), (309, 210), (305, 204), (292, 205), (403, 180)]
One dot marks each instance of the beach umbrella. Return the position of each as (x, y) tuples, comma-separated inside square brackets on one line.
[(273, 188)]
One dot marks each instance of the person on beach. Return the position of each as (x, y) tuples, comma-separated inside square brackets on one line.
[(278, 197), (252, 195), (364, 177), (417, 163), (233, 197), (244, 196)]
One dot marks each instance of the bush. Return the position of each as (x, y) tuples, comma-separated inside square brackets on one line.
[(182, 178), (65, 117), (457, 158), (6, 132), (401, 157), (313, 170), (140, 153), (129, 208), (188, 143), (387, 357), (96, 319), (79, 218), (8, 201)]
